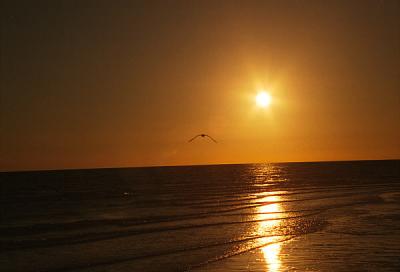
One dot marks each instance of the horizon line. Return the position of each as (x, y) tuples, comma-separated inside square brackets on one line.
[(188, 165)]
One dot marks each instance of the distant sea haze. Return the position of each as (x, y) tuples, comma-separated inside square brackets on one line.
[(330, 216)]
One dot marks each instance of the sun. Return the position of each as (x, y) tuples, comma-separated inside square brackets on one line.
[(263, 99)]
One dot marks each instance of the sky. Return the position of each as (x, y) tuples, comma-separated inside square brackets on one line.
[(87, 84)]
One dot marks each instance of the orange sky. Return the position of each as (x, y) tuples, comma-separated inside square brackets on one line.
[(110, 85)]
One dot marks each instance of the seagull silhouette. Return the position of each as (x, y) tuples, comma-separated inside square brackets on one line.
[(203, 135)]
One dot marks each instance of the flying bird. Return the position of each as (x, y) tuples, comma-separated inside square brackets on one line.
[(203, 135)]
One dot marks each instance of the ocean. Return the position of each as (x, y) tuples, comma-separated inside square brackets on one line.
[(322, 216)]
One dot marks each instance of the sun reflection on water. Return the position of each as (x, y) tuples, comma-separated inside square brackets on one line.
[(270, 212), (268, 215)]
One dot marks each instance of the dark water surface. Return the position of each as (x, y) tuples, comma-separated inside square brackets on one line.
[(333, 216)]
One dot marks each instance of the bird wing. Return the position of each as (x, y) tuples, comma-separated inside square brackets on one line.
[(193, 138), (211, 138)]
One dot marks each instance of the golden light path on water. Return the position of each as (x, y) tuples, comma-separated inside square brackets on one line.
[(268, 214), (272, 249)]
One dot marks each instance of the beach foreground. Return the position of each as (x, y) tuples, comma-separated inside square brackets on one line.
[(332, 216)]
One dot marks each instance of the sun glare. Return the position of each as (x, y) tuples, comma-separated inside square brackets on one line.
[(263, 99)]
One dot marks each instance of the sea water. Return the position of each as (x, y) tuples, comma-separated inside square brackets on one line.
[(329, 216)]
